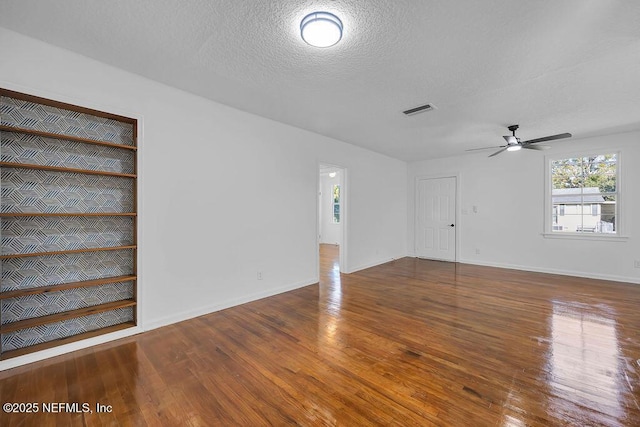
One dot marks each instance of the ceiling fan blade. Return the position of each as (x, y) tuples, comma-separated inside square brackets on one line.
[(487, 148), (548, 138), (498, 152), (535, 147)]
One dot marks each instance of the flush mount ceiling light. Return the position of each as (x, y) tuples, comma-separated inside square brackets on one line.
[(321, 29)]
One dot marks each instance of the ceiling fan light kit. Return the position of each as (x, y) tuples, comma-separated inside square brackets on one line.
[(514, 143)]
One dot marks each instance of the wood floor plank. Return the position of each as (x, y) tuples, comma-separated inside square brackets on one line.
[(411, 342)]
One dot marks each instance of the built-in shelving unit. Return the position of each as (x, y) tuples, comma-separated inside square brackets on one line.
[(68, 216)]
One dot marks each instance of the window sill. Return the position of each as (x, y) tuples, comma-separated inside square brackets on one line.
[(584, 236)]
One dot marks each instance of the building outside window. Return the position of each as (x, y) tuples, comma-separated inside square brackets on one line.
[(584, 194)]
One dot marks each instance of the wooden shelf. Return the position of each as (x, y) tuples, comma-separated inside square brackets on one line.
[(62, 169), (10, 214), (66, 137), (71, 314), (73, 338), (63, 286), (63, 105), (70, 251)]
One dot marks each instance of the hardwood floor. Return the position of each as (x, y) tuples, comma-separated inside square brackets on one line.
[(411, 342)]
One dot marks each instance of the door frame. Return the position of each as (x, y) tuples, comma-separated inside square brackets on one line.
[(458, 230), (344, 216)]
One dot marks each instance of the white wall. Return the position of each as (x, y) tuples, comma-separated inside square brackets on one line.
[(330, 232), (223, 193), (508, 191)]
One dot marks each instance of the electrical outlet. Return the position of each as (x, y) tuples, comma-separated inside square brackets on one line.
[(636, 263), (477, 251), (475, 209), (259, 275)]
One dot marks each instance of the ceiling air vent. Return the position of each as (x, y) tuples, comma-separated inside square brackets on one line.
[(421, 109)]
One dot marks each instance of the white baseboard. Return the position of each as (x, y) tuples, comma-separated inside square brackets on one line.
[(67, 348), (373, 264), (190, 314), (561, 272)]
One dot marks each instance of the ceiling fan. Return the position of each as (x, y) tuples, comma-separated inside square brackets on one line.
[(514, 143)]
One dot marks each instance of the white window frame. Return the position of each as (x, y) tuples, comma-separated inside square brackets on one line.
[(548, 204)]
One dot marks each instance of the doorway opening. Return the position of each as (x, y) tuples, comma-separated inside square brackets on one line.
[(331, 221)]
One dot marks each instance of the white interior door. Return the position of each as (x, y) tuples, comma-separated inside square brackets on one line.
[(435, 218)]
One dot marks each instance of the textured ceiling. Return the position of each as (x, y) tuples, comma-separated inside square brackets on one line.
[(551, 66)]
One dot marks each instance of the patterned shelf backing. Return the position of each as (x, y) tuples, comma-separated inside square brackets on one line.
[(31, 191), (37, 150), (34, 272), (40, 334), (27, 307), (23, 235), (29, 115)]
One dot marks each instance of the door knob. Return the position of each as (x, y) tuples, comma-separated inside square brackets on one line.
[(452, 225)]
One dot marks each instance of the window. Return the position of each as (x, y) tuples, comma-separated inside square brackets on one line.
[(336, 204), (584, 195)]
